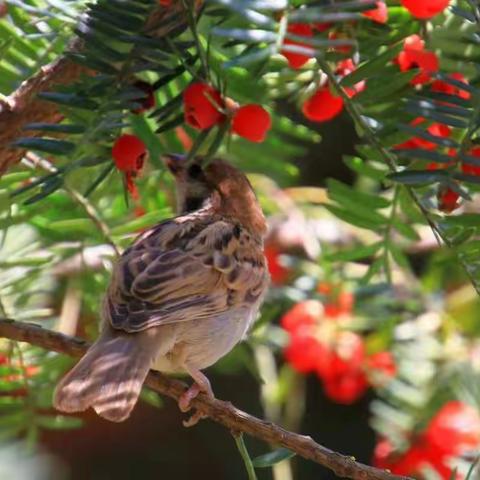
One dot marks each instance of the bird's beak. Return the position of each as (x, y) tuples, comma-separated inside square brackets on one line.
[(174, 162)]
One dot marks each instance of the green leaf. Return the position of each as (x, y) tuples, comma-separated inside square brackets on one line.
[(464, 220), (57, 147), (371, 67), (147, 220), (69, 99), (94, 63), (405, 229), (465, 177), (433, 114), (363, 168), (356, 253), (379, 89), (356, 219), (419, 177), (48, 187), (398, 256), (152, 398), (314, 15), (272, 458), (250, 57), (12, 178), (73, 225), (258, 4), (175, 122), (469, 16), (457, 83), (340, 192), (58, 422), (419, 132), (253, 35), (217, 141), (422, 154), (55, 127)]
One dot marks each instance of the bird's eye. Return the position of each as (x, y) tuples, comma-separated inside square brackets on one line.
[(194, 171)]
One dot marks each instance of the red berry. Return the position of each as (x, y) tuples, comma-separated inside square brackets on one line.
[(447, 200), (303, 352), (340, 36), (342, 370), (297, 60), (348, 356), (129, 153), (455, 429), (322, 106), (346, 389), (413, 55), (146, 101), (444, 87), (469, 168), (344, 68), (414, 42), (201, 104), (408, 463), (278, 272), (382, 367), (425, 8), (251, 122), (379, 14), (324, 288), (435, 129), (302, 315), (321, 27)]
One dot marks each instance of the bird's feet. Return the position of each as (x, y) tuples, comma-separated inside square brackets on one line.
[(201, 385)]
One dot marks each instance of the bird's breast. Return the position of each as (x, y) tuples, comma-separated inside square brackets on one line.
[(203, 342)]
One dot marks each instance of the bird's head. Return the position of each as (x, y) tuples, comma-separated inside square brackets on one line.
[(218, 184)]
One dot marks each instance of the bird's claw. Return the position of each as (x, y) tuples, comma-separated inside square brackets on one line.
[(184, 403)]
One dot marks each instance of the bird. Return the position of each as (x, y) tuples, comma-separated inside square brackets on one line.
[(180, 297)]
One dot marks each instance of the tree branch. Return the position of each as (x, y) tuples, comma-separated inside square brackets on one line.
[(23, 105), (219, 411)]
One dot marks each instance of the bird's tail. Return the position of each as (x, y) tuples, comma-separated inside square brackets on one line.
[(109, 377)]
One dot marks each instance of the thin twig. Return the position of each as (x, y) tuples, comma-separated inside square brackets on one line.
[(94, 216), (219, 411), (242, 448)]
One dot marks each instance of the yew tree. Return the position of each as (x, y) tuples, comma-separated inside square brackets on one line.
[(375, 273)]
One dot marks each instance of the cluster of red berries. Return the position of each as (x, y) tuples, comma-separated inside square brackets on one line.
[(325, 105), (453, 431), (319, 343), (414, 55), (205, 107)]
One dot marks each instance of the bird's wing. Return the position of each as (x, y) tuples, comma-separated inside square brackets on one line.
[(185, 269)]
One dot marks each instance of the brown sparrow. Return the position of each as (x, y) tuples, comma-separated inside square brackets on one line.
[(180, 297)]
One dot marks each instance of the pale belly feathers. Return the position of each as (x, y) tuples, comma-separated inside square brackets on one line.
[(200, 343)]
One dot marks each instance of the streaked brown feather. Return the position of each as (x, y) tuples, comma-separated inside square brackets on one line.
[(189, 267)]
